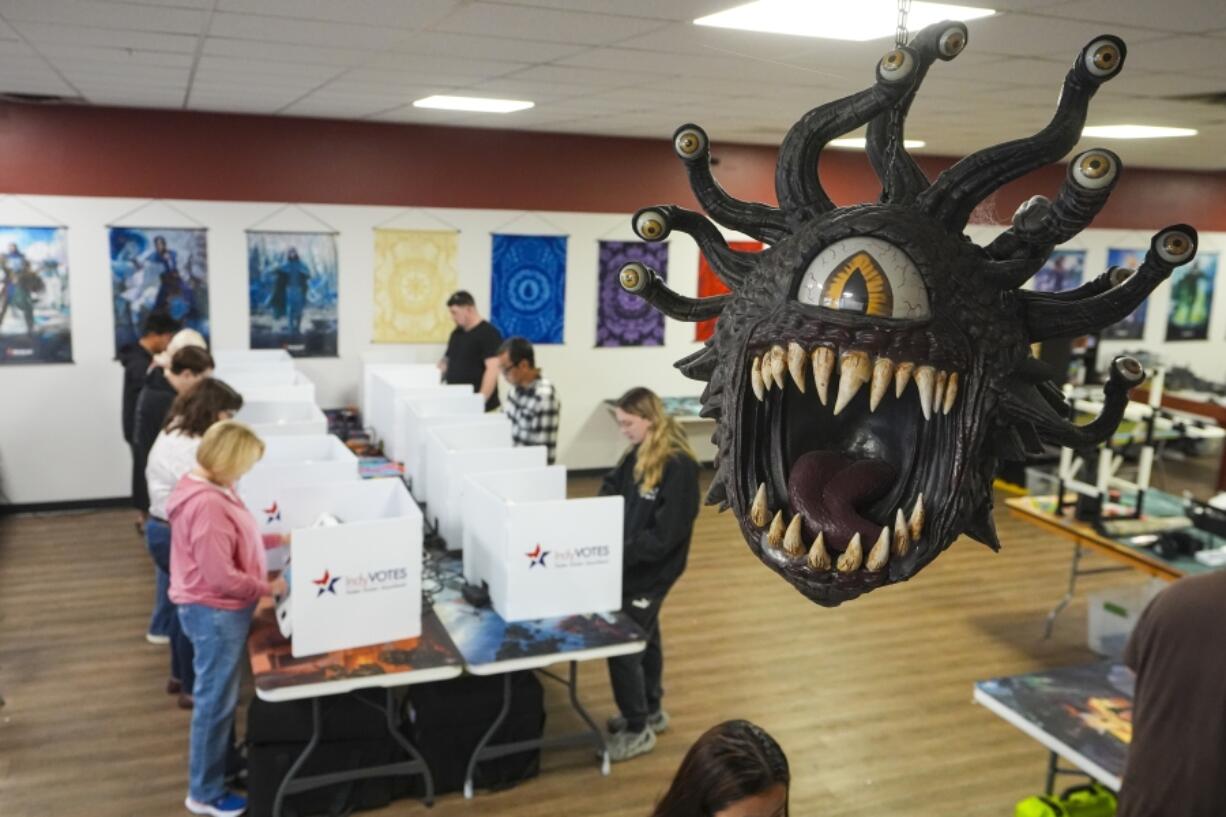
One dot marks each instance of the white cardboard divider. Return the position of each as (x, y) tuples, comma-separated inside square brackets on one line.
[(250, 357), (416, 464), (412, 405), (296, 459), (268, 383), (356, 583), (542, 555), (442, 440), (379, 383), (458, 398), (447, 512), (281, 417)]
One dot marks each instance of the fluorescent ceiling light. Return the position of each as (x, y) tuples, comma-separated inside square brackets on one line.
[(473, 103), (1136, 132), (857, 20), (858, 142)]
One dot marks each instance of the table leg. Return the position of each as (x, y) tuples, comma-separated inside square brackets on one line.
[(316, 730), (489, 734), (1053, 767), (292, 784), (1068, 595), (573, 689)]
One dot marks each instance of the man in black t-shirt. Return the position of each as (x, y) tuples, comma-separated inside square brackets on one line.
[(472, 350)]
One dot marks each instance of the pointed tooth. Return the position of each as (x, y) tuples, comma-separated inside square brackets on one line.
[(854, 372), (951, 393), (823, 368), (902, 376), (852, 557), (915, 526), (755, 379), (778, 366), (902, 540), (883, 371), (774, 537), (796, 364), (925, 380), (793, 544), (758, 512), (818, 558), (938, 391), (880, 554)]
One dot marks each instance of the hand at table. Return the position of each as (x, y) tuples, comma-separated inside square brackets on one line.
[(278, 587)]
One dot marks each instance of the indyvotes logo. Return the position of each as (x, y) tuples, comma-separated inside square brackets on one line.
[(582, 556), (273, 513), (367, 581)]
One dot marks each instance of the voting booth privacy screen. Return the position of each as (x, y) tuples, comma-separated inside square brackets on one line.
[(301, 459), (270, 383), (417, 466), (380, 381), (542, 555), (410, 406), (354, 583), (281, 417)]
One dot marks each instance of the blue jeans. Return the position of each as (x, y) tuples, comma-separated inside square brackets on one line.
[(157, 539), (219, 638)]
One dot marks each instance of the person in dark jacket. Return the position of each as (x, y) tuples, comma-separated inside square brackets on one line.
[(658, 478), (137, 358)]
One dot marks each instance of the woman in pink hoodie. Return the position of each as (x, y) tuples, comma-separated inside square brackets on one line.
[(217, 574)]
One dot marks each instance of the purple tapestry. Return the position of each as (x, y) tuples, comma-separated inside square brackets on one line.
[(623, 319)]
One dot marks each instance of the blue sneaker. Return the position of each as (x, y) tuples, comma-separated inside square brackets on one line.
[(228, 805)]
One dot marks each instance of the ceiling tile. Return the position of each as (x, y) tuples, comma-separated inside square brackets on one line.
[(389, 13), (284, 52), (124, 16), (1030, 35), (130, 58), (522, 22), (40, 33), (304, 32), (442, 44), (1177, 54), (684, 10), (1170, 15), (587, 77)]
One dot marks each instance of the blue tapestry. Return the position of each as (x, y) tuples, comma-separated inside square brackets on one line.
[(622, 318), (528, 286), (293, 290), (158, 270)]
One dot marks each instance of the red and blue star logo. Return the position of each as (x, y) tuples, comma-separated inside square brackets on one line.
[(537, 556), (273, 513), (326, 583)]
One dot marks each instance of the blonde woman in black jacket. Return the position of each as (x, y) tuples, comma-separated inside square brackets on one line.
[(658, 478)]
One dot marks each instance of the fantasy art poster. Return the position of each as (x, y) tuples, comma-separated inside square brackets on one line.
[(415, 272), (623, 319), (1192, 299), (35, 324), (528, 286), (154, 269), (1063, 270), (709, 285), (293, 290), (1132, 327)]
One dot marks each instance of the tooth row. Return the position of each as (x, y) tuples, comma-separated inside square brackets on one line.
[(789, 538), (938, 389)]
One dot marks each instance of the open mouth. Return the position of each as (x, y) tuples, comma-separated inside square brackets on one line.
[(833, 440)]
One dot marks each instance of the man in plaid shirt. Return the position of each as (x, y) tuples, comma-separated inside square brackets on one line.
[(532, 405)]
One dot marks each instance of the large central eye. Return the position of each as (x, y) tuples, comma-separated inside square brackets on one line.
[(868, 276)]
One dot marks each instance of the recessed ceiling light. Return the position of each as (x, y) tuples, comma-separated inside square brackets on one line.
[(473, 103), (858, 20), (858, 143), (1136, 132)]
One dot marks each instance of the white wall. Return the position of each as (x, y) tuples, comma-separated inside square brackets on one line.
[(60, 434), (60, 437)]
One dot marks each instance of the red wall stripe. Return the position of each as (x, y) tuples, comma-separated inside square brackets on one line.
[(92, 151)]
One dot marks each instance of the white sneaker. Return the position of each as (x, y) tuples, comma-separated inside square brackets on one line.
[(625, 745), (228, 805), (153, 638)]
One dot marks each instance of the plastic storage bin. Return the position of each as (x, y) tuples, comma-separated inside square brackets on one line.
[(1114, 613)]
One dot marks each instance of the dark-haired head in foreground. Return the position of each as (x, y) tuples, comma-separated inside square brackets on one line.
[(734, 770)]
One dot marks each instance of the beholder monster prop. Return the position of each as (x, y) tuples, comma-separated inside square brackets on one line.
[(918, 340)]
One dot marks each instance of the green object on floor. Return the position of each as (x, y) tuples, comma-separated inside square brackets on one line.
[(1090, 800)]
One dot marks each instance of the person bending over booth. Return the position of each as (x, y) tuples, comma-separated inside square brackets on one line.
[(658, 478), (172, 456), (532, 404), (137, 359), (734, 769), (1178, 748), (217, 574), (472, 350)]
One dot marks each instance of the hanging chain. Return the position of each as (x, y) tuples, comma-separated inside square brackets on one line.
[(900, 35)]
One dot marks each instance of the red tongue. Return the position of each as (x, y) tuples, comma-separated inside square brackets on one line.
[(825, 487)]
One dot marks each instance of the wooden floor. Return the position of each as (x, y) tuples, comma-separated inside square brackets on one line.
[(871, 701)]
